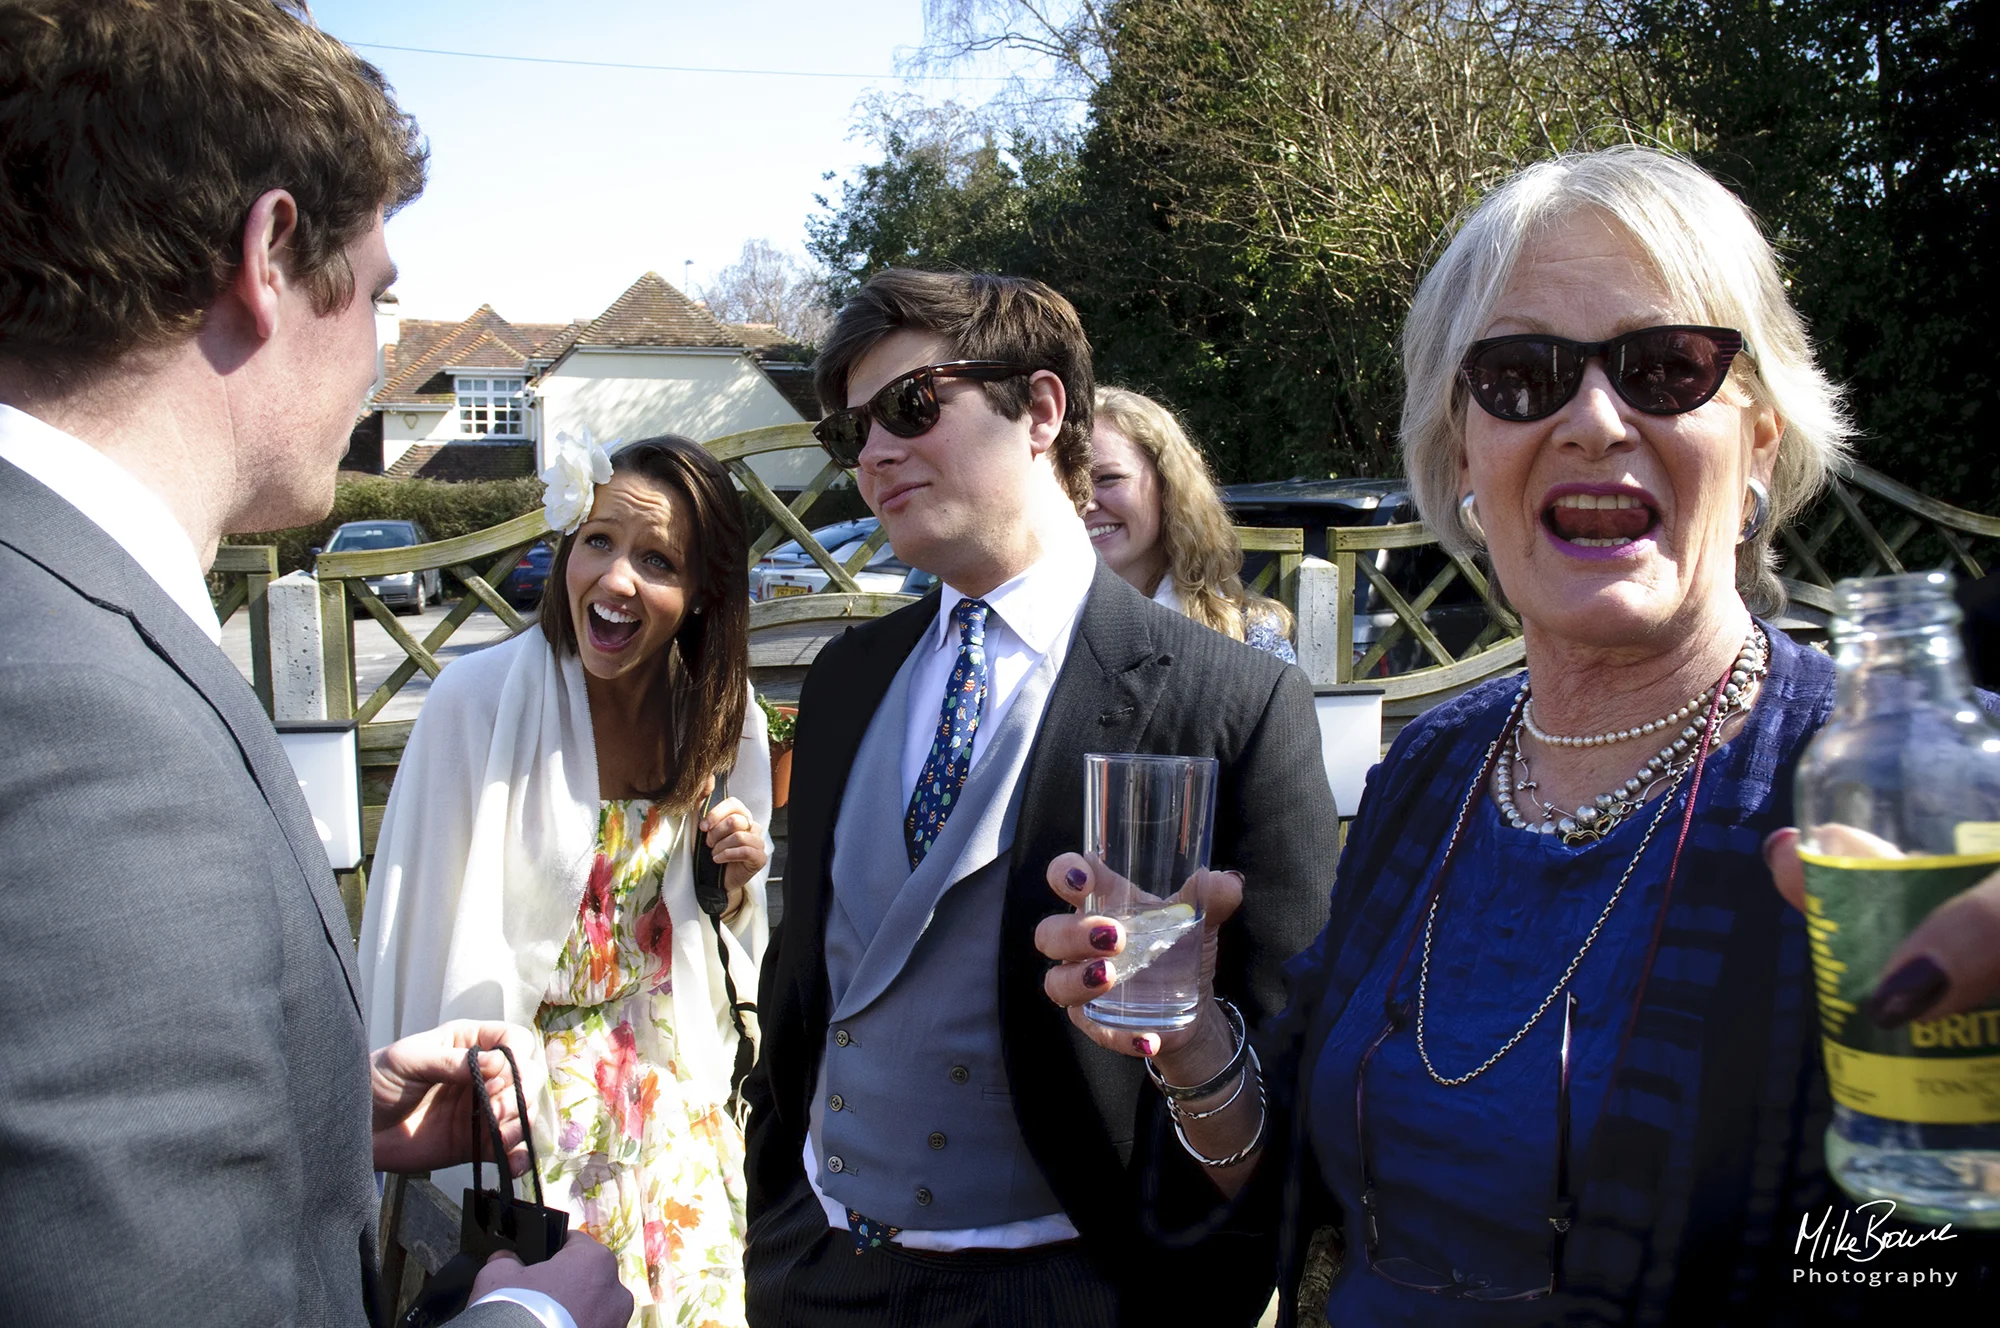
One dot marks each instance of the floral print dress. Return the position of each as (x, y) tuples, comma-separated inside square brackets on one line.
[(657, 1179)]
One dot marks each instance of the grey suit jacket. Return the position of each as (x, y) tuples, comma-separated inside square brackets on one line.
[(183, 1072)]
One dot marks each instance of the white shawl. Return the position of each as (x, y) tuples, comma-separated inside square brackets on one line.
[(485, 849)]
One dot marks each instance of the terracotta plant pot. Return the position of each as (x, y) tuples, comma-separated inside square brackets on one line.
[(781, 776)]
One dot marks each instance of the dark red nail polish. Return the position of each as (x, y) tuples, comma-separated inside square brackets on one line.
[(1143, 1044), (1104, 938), (1907, 993), (1096, 973), (1077, 878)]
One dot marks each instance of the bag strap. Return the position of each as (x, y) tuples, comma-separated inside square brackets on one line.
[(482, 1113), (713, 897)]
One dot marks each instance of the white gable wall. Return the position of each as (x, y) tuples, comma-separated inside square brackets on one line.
[(636, 393)]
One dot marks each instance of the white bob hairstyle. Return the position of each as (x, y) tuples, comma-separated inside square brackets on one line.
[(1718, 270)]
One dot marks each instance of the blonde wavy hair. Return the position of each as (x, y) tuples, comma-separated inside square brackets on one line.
[(1203, 555)]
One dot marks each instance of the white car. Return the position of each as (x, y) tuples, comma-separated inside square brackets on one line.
[(883, 574)]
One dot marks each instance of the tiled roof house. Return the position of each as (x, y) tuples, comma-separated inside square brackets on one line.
[(473, 399)]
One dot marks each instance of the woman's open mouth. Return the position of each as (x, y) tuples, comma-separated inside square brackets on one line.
[(610, 629), (1599, 520), (1104, 530)]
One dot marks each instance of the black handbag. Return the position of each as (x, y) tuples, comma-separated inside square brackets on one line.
[(713, 897), (491, 1220)]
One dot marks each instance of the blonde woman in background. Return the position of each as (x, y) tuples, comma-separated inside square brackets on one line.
[(1157, 521)]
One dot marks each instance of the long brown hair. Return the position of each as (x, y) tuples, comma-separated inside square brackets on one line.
[(703, 680), (1204, 557)]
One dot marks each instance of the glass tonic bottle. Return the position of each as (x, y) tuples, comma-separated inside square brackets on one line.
[(1898, 802)]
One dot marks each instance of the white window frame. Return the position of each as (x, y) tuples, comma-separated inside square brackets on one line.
[(491, 405)]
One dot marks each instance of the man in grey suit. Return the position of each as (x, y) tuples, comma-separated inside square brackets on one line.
[(191, 205)]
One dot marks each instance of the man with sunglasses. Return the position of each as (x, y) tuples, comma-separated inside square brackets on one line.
[(931, 1141)]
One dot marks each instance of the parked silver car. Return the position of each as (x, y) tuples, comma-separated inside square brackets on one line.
[(404, 592)]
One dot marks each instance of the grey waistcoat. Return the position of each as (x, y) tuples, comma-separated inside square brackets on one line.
[(912, 1118)]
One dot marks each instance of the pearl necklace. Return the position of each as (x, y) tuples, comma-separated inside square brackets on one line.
[(1694, 706), (1438, 1076), (1600, 817)]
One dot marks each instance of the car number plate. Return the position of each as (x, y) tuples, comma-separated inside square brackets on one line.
[(779, 592)]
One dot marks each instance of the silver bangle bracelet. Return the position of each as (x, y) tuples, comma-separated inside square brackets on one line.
[(1256, 1140), (1180, 1115), (1214, 1083)]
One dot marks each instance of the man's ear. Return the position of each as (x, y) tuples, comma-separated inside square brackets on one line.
[(1048, 402), (265, 272)]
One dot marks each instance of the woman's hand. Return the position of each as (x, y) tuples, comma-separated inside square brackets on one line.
[(1082, 946), (422, 1096), (1949, 964), (737, 842)]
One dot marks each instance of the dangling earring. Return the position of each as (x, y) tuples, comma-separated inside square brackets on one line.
[(1468, 516), (1760, 512)]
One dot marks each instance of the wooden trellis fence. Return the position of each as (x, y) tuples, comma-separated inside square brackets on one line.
[(1868, 524), (245, 573)]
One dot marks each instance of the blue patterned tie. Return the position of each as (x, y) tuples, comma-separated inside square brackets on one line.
[(951, 749)]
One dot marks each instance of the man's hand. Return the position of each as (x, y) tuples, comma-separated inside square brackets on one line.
[(582, 1276), (422, 1096)]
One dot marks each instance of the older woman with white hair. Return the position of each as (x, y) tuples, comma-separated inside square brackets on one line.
[(1554, 1058)]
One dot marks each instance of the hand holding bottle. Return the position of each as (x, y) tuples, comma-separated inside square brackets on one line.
[(1949, 964)]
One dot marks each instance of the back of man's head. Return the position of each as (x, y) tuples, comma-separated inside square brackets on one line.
[(982, 317), (134, 137)]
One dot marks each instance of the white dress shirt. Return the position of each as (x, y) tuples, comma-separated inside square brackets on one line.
[(117, 503), (1033, 617)]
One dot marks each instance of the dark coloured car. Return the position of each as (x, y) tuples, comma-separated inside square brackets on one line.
[(523, 586), (405, 592), (1456, 617)]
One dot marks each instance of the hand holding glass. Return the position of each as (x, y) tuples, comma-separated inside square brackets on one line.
[(1147, 826)]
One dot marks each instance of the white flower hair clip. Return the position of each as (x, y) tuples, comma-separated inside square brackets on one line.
[(576, 467)]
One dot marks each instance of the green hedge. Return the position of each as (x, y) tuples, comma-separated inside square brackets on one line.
[(446, 510)]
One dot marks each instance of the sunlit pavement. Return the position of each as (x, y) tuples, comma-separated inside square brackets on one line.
[(376, 656)]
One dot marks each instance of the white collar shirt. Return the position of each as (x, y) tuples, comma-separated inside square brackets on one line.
[(1033, 616), (117, 503)]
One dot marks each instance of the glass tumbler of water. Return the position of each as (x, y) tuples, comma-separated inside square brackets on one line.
[(1147, 826)]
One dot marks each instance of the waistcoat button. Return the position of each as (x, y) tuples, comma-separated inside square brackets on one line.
[(937, 1140), (841, 1039), (923, 1195), (959, 1074), (837, 1102), (835, 1165)]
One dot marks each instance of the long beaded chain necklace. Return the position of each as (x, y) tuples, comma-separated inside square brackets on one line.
[(1598, 818), (1719, 696)]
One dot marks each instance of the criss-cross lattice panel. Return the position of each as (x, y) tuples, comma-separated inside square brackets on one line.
[(1871, 525), (479, 560), (1495, 649), (239, 577)]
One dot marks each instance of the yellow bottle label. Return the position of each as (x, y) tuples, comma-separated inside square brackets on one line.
[(1929, 1072)]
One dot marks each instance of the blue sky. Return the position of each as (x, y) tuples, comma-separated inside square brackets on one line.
[(553, 186)]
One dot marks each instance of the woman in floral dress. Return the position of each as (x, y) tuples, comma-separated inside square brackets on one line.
[(537, 864)]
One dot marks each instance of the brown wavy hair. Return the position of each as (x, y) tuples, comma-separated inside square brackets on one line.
[(703, 682), (134, 137), (1204, 557), (983, 317)]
